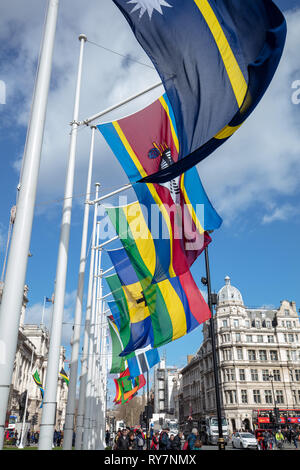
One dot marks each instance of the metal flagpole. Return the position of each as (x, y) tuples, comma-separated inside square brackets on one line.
[(49, 407), (21, 445), (13, 291), (207, 282), (112, 108), (113, 193), (87, 436), (84, 360), (71, 403), (43, 312)]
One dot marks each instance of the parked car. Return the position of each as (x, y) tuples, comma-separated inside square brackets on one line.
[(244, 440)]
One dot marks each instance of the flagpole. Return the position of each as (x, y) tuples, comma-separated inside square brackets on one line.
[(71, 403), (84, 362), (49, 408), (207, 281), (113, 193), (87, 435), (43, 312), (13, 290), (21, 445), (122, 103)]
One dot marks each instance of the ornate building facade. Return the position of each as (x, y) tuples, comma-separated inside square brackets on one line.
[(33, 345), (258, 351)]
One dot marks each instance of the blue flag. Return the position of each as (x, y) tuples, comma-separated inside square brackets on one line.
[(216, 59)]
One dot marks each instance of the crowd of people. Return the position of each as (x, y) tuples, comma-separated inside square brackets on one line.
[(270, 440), (135, 439)]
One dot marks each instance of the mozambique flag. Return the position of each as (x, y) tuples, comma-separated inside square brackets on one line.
[(216, 59), (143, 143), (63, 374), (153, 254)]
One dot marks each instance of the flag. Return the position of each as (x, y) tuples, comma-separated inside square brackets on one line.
[(155, 255), (159, 314), (48, 300), (138, 362), (63, 374), (216, 59), (127, 388), (38, 382)]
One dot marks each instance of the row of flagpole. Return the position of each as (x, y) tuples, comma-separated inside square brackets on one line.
[(93, 378)]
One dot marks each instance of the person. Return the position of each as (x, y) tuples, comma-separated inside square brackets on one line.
[(118, 435), (279, 439), (107, 437), (192, 438), (55, 438), (123, 441), (197, 444), (140, 440), (15, 438), (155, 442), (132, 445), (294, 437), (265, 441), (59, 438), (272, 441), (164, 441), (176, 443)]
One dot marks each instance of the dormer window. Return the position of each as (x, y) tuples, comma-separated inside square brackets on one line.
[(286, 313)]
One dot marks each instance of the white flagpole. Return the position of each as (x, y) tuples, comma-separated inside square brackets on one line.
[(12, 297), (49, 407), (122, 103), (71, 403), (21, 445), (82, 412), (43, 312)]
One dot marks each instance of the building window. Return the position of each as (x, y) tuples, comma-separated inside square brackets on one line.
[(291, 338), (259, 339), (229, 375), (242, 374), (297, 375), (239, 353), (289, 324), (254, 375), (262, 355), (276, 375), (268, 324), (256, 396), (279, 397), (251, 355), (268, 396), (227, 354), (270, 339), (247, 323), (238, 337), (299, 396), (257, 324), (244, 396), (274, 355), (235, 323), (230, 396), (265, 375), (225, 323), (287, 313), (249, 338)]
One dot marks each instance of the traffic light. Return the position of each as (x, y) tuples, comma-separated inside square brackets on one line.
[(277, 415)]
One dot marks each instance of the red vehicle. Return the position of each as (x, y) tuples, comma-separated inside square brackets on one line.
[(266, 419)]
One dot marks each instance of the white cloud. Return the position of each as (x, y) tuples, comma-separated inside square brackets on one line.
[(282, 213)]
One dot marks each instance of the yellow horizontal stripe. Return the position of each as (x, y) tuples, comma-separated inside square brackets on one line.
[(174, 307), (227, 132), (142, 235), (189, 206), (174, 135), (137, 311), (233, 70), (151, 189)]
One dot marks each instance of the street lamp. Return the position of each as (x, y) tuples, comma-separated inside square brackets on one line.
[(271, 377)]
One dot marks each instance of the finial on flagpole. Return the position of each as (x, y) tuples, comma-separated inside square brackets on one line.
[(82, 36)]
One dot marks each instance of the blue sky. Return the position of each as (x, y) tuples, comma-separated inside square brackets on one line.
[(252, 180)]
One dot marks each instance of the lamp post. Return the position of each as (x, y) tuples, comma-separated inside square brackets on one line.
[(271, 377)]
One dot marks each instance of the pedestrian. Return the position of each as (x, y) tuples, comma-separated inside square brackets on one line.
[(177, 442), (59, 438), (155, 441), (132, 445), (265, 440), (15, 438), (192, 438), (279, 439), (164, 441), (123, 441), (197, 444), (272, 441), (294, 438), (140, 440), (107, 438)]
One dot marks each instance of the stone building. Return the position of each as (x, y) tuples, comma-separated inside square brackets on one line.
[(258, 351), (33, 344), (166, 384)]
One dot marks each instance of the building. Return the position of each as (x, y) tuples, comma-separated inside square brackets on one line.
[(33, 346), (258, 353), (166, 383)]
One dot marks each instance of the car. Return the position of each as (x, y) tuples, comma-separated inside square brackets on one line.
[(244, 440)]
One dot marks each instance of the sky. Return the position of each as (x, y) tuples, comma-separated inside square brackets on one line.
[(252, 180)]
